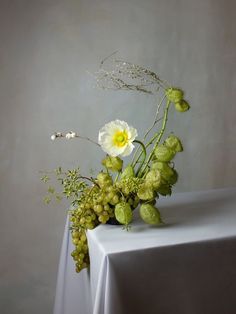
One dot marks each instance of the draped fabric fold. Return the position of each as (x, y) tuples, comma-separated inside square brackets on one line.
[(184, 267)]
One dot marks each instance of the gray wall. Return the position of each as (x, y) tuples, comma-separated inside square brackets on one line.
[(46, 47)]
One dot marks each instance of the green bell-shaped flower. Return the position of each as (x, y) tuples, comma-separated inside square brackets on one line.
[(123, 213), (174, 143), (104, 179), (113, 163), (182, 106), (174, 94), (145, 192), (166, 171), (164, 153), (153, 178), (150, 214), (128, 172)]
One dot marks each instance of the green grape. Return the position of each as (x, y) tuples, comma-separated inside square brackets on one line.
[(106, 207), (81, 255), (98, 208), (85, 248), (88, 219), (83, 237), (75, 234), (74, 253), (74, 220), (110, 195), (75, 241), (93, 216), (79, 247), (90, 226), (109, 188), (82, 220), (115, 199)]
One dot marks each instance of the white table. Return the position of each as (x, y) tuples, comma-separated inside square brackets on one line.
[(187, 266)]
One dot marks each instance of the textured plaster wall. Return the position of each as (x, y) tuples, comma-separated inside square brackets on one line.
[(46, 47)]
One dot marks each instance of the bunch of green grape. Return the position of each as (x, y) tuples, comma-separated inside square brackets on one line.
[(96, 205)]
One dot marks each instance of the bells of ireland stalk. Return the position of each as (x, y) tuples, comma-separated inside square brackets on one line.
[(150, 214), (182, 106), (145, 192), (153, 178), (165, 170), (174, 94), (123, 213), (128, 172), (174, 143), (104, 179), (113, 163), (164, 153), (168, 174)]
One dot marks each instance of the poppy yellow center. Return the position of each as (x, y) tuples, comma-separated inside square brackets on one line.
[(120, 138)]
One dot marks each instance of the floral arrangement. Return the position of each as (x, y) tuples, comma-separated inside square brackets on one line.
[(112, 195)]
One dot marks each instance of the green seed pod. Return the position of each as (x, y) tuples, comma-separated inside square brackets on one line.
[(164, 190), (113, 163), (123, 213), (174, 94), (153, 178), (150, 214), (174, 143), (164, 153), (104, 179), (166, 171), (145, 192), (182, 106), (128, 172)]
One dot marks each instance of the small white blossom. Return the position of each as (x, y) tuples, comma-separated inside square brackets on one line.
[(116, 138), (70, 135), (53, 137)]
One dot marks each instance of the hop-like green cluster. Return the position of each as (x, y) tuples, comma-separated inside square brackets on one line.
[(129, 185)]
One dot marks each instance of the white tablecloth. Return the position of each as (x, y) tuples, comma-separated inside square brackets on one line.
[(187, 266)]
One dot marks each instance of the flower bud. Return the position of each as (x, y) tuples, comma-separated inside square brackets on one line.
[(113, 163), (164, 153), (174, 94), (174, 143), (150, 214), (123, 213), (182, 106), (145, 192), (153, 178), (104, 179), (128, 172)]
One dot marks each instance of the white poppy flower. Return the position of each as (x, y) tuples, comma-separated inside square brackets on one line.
[(116, 138)]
